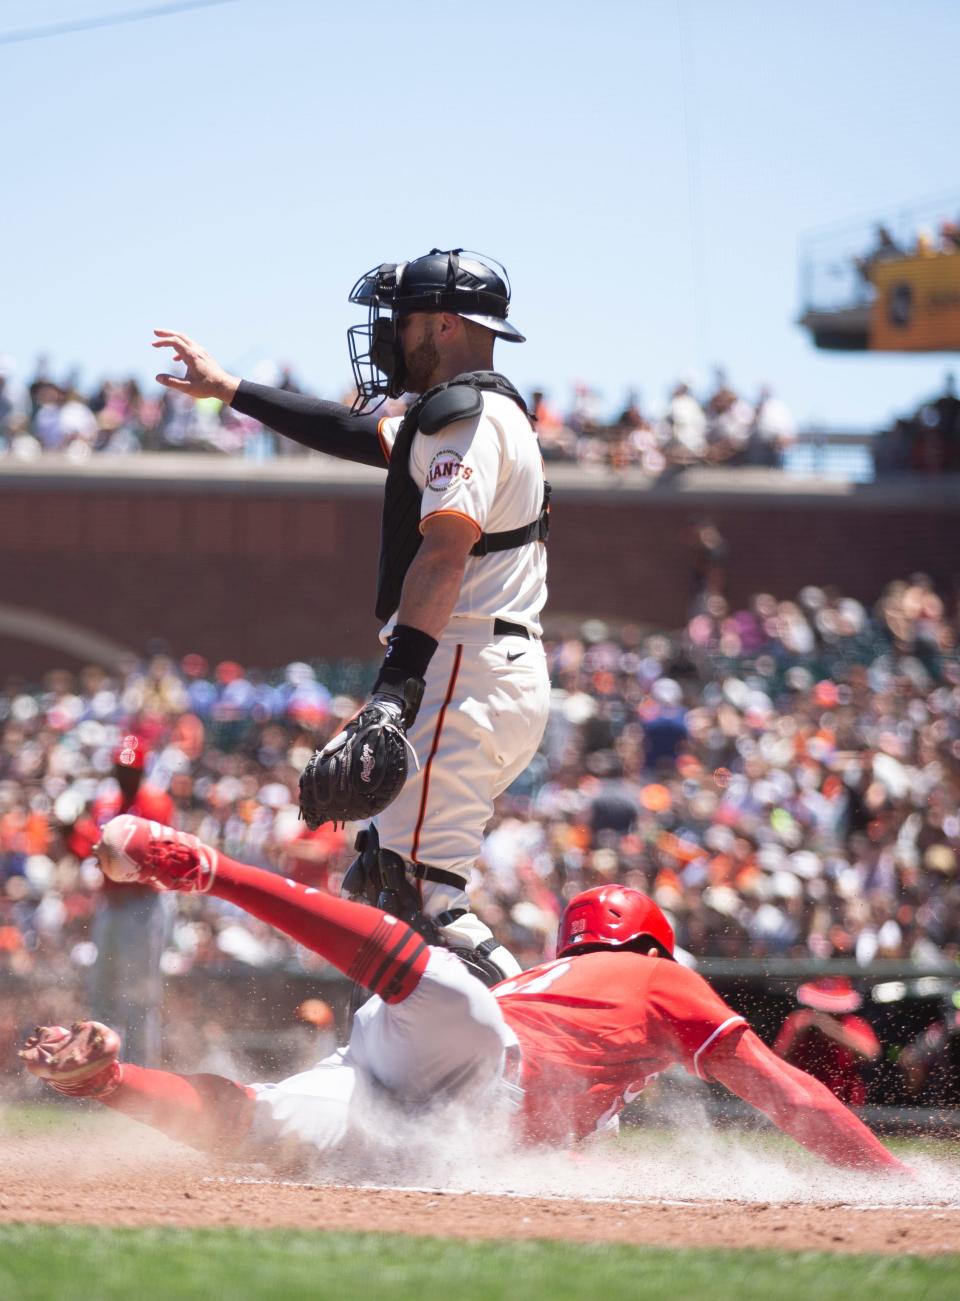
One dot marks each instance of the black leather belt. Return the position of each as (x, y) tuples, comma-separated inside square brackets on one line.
[(502, 628)]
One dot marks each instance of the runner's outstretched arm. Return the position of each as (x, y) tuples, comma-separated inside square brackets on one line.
[(797, 1103)]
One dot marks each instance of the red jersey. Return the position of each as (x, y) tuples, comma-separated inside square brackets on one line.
[(594, 1028), (804, 1046), (309, 858)]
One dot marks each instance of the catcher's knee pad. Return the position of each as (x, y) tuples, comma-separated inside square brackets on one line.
[(464, 934), (384, 879), (379, 877)]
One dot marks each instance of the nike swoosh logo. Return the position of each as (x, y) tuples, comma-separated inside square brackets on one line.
[(515, 656)]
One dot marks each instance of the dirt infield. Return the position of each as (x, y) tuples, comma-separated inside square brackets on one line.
[(130, 1178)]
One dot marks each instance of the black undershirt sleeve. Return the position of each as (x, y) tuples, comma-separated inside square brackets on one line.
[(324, 426)]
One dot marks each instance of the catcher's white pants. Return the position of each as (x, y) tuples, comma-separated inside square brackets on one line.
[(484, 711), (444, 1045)]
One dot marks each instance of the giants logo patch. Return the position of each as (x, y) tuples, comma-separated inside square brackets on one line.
[(446, 468)]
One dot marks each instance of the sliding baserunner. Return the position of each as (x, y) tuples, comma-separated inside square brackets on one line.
[(560, 1048)]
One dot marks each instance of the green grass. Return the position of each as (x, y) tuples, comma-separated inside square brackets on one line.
[(43, 1263), (25, 1118), (944, 1149)]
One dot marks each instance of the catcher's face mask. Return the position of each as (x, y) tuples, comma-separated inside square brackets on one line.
[(375, 353), (475, 288)]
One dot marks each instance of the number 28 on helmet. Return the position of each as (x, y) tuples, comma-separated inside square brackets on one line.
[(613, 917)]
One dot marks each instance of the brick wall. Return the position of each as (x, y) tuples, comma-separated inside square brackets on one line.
[(284, 569)]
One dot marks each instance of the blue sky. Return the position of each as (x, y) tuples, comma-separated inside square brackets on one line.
[(645, 171)]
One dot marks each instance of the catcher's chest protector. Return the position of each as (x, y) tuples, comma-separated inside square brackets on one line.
[(400, 535)]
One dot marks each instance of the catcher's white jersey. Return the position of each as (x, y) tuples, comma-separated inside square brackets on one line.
[(487, 469), (487, 692)]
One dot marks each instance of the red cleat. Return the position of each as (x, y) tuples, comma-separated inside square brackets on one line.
[(135, 849), (80, 1062)]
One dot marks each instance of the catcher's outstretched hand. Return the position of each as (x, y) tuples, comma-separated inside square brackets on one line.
[(204, 378)]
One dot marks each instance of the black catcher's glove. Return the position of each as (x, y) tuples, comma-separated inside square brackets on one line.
[(363, 768)]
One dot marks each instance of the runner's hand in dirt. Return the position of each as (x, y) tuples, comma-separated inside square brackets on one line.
[(204, 378)]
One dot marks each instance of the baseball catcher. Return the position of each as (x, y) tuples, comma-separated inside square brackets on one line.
[(461, 582)]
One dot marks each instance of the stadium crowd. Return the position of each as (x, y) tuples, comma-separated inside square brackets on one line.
[(923, 242), (784, 779), (46, 415)]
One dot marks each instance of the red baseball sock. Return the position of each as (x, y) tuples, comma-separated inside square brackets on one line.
[(207, 1112), (376, 950)]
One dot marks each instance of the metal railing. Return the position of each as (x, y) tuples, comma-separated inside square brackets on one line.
[(831, 257)]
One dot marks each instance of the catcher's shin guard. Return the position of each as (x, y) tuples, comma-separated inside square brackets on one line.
[(384, 879), (379, 877)]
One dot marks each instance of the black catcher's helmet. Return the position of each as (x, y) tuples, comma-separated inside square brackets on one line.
[(444, 280)]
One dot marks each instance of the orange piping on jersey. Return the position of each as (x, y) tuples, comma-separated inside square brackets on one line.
[(383, 446), (433, 751), (458, 514)]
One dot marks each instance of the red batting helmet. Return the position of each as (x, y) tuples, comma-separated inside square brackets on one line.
[(612, 916)]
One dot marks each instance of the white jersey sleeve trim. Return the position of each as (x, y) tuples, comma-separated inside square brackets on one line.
[(730, 1022)]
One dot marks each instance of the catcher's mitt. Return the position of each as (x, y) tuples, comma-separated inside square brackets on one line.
[(357, 774)]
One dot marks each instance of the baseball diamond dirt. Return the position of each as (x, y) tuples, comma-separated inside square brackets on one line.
[(106, 1171)]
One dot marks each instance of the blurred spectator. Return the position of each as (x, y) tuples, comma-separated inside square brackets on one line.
[(14, 403), (925, 245), (77, 425), (827, 1041), (663, 718), (729, 422), (557, 442), (48, 401), (687, 425), (709, 563), (772, 431), (585, 417), (885, 249), (930, 1063), (949, 236), (927, 442), (132, 922)]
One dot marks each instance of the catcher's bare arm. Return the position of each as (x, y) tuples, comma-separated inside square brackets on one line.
[(433, 581), (797, 1103), (323, 426)]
